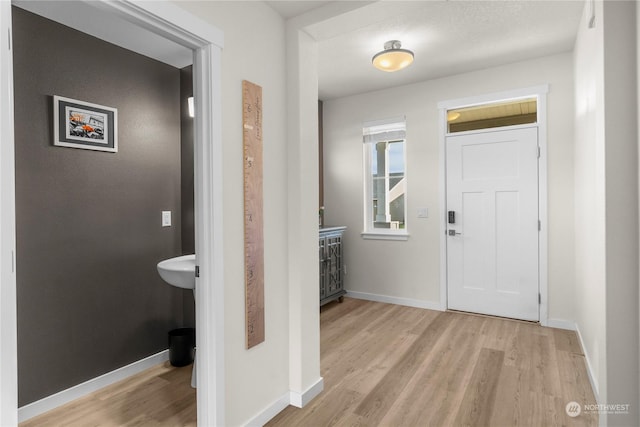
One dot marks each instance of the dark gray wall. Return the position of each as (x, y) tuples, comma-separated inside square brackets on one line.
[(89, 229), (186, 156)]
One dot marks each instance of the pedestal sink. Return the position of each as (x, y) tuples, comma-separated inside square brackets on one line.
[(181, 272)]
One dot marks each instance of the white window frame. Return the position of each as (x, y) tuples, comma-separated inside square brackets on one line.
[(368, 231)]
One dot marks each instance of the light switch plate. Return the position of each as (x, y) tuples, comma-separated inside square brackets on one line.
[(166, 218), (423, 212)]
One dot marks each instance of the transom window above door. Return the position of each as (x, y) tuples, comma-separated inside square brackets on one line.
[(496, 114)]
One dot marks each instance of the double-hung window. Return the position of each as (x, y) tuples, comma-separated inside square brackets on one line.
[(385, 186)]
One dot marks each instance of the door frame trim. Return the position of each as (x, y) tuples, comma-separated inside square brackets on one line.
[(540, 92)]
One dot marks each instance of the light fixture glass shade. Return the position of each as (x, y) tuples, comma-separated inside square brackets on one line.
[(392, 58)]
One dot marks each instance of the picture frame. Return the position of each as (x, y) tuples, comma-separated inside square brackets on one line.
[(80, 124)]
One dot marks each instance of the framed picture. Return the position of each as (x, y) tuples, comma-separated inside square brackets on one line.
[(79, 124)]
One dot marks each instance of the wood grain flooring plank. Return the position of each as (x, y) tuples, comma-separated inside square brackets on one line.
[(336, 336), (368, 355), (498, 332), (480, 395), (375, 405), (351, 357), (575, 384), (566, 341), (341, 402), (434, 386), (334, 311), (422, 321), (364, 348), (174, 408), (515, 349), (544, 378), (365, 377), (455, 375), (543, 410), (289, 416), (390, 366), (511, 405), (132, 401), (151, 375)]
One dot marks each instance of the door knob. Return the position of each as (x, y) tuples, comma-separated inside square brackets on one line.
[(453, 233)]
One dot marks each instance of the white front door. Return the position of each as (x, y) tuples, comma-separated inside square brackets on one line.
[(492, 236)]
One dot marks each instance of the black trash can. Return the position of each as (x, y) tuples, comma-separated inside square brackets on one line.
[(182, 342)]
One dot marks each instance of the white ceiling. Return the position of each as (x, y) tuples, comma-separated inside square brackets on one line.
[(291, 8), (82, 17), (447, 37)]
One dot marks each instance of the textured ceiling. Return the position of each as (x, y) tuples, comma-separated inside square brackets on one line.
[(289, 9), (447, 37)]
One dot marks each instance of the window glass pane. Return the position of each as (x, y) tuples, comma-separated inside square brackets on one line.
[(387, 185), (497, 114), (396, 157)]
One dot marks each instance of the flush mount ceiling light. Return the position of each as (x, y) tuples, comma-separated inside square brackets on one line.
[(392, 58)]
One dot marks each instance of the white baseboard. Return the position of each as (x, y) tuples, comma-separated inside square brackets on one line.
[(409, 302), (592, 378), (291, 398), (301, 399), (560, 324), (271, 411), (65, 396), (573, 326)]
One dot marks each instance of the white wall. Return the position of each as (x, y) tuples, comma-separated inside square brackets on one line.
[(606, 181), (304, 301), (590, 295), (411, 268), (621, 190), (254, 50)]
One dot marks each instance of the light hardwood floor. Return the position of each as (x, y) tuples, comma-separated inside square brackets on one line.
[(388, 365), (160, 396)]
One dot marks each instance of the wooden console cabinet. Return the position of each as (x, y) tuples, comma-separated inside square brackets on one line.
[(331, 264)]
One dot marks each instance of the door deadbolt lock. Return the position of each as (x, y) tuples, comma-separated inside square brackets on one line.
[(453, 233)]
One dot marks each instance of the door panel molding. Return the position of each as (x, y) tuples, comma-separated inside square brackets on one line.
[(492, 185)]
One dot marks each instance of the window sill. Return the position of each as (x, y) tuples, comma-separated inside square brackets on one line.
[(376, 235)]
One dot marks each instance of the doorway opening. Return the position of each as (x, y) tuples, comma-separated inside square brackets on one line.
[(494, 210), (204, 44)]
